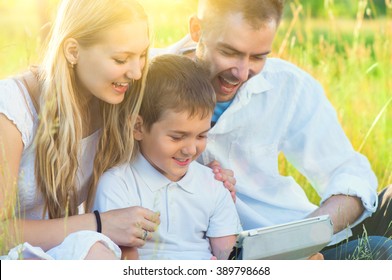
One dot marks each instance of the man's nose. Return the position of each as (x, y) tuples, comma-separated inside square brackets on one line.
[(242, 70)]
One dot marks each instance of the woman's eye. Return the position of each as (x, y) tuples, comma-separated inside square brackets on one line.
[(119, 61)]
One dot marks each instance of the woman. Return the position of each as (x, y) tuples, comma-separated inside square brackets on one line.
[(62, 118)]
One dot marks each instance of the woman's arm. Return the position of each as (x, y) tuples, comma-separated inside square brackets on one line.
[(11, 147), (45, 234), (124, 226), (222, 246)]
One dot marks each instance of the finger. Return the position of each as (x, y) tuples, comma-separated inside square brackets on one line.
[(149, 235), (148, 215), (229, 186), (149, 226), (214, 164), (144, 235), (233, 196), (137, 240), (228, 172), (228, 175), (218, 176)]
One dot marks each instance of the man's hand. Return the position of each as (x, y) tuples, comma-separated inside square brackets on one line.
[(226, 176)]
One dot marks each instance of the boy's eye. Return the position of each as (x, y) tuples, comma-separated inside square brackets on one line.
[(176, 138)]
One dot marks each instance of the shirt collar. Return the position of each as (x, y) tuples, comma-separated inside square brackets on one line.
[(156, 180), (255, 85)]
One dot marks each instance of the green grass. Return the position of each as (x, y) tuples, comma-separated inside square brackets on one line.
[(352, 59)]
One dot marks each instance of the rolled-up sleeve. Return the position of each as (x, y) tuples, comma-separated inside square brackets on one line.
[(317, 146)]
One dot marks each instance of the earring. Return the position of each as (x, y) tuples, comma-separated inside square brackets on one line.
[(72, 65)]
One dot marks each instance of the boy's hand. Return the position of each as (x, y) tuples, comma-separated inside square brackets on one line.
[(226, 176), (317, 256)]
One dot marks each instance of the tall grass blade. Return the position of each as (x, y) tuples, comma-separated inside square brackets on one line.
[(374, 124)]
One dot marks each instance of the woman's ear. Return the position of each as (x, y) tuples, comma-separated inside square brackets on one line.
[(138, 129), (195, 28), (71, 50)]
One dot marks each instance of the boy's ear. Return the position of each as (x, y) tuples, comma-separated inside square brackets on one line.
[(195, 28), (138, 129), (71, 50)]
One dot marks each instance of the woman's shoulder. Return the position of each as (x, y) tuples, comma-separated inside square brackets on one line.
[(17, 106)]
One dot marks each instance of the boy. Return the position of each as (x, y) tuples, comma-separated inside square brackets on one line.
[(198, 216)]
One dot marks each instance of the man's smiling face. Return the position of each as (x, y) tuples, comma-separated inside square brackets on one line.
[(234, 52)]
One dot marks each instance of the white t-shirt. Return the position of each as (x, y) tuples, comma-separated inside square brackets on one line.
[(191, 210)]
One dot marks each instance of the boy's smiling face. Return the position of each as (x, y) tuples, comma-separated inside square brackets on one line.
[(173, 142)]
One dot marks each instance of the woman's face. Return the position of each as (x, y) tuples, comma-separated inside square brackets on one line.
[(106, 70)]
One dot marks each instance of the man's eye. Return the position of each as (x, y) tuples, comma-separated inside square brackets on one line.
[(226, 53), (260, 57)]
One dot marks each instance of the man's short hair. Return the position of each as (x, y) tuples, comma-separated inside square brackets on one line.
[(256, 12)]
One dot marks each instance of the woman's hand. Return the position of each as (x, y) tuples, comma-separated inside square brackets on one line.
[(226, 176), (130, 226)]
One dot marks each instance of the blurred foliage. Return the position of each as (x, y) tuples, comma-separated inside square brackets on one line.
[(342, 8)]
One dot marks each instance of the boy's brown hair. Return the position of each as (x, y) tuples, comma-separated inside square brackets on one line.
[(176, 83)]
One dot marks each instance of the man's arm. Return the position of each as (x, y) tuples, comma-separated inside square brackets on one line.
[(343, 210), (222, 246)]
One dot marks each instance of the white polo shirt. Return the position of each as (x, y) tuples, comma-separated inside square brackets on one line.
[(192, 209)]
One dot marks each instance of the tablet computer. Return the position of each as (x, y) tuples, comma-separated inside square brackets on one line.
[(290, 241)]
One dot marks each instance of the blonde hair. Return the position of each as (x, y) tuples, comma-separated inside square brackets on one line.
[(61, 117)]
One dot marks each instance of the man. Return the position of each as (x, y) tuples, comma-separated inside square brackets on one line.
[(267, 106)]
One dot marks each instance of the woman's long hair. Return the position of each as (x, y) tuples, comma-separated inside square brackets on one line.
[(62, 119)]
